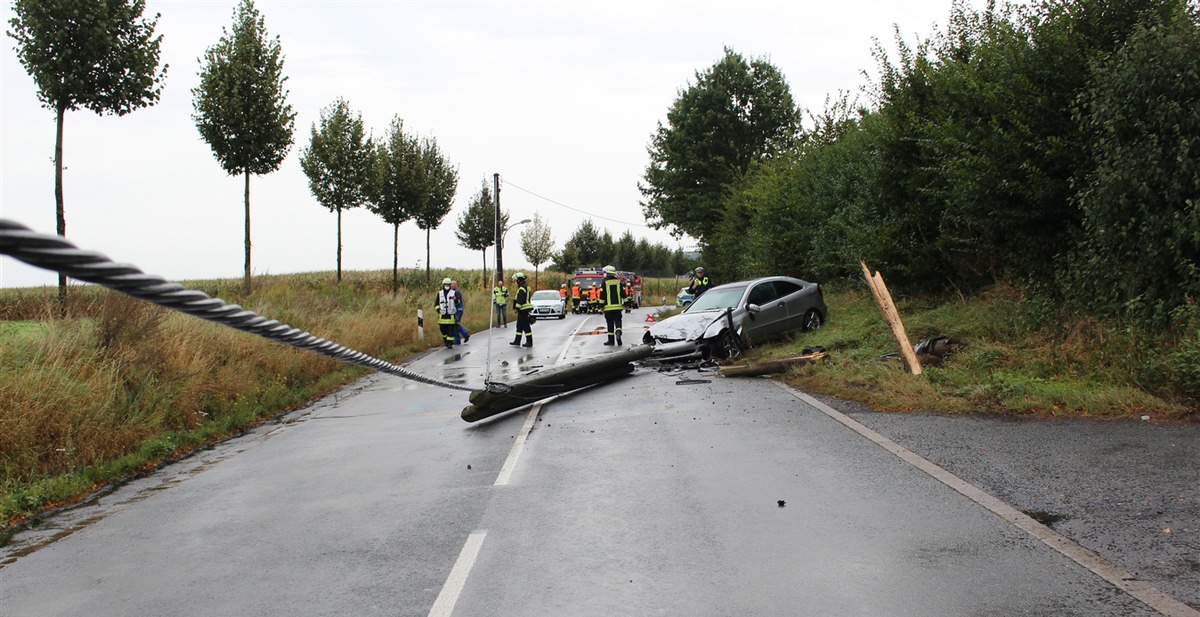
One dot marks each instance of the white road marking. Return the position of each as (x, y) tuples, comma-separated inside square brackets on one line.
[(1116, 576), (570, 339), (443, 606), (515, 453)]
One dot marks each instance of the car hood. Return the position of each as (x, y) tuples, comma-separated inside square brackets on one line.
[(685, 326)]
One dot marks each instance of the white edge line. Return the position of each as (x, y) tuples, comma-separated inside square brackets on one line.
[(443, 606), (1118, 577), (570, 338), (515, 453)]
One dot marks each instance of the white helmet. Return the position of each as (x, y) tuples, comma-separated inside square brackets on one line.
[(610, 270), (518, 276), (446, 281)]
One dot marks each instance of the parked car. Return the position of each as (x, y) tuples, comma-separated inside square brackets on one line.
[(683, 298), (734, 316), (547, 303)]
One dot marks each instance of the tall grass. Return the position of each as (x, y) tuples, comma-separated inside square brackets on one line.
[(122, 384)]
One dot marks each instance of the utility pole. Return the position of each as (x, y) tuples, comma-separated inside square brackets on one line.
[(499, 231)]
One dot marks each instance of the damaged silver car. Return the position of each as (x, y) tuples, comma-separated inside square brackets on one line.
[(729, 318)]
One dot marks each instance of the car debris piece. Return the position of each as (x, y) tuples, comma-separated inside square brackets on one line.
[(770, 367), (892, 317)]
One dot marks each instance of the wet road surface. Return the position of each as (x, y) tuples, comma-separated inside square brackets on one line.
[(641, 497)]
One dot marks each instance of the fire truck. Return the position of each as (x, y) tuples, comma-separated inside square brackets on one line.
[(587, 278)]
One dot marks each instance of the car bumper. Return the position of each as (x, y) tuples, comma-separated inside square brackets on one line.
[(677, 350)]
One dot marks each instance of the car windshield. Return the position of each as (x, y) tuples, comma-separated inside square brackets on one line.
[(718, 299), (546, 294)]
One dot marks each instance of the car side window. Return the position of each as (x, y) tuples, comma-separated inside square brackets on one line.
[(785, 288), (762, 294)]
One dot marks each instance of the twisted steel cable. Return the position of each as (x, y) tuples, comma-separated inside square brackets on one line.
[(57, 253)]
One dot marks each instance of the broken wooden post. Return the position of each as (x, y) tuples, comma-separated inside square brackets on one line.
[(892, 317), (770, 366)]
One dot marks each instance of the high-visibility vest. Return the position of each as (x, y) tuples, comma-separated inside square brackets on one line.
[(445, 305), (522, 302), (500, 295), (614, 300), (575, 292)]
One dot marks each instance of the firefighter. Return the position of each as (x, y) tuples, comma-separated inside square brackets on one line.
[(522, 307), (447, 305), (594, 300), (613, 296), (562, 293), (700, 284), (575, 297)]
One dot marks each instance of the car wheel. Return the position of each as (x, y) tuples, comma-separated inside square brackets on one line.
[(562, 316), (726, 346), (812, 320)]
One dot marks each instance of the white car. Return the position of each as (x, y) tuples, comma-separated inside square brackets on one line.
[(547, 303)]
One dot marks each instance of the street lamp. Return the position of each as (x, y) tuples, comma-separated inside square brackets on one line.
[(500, 248)]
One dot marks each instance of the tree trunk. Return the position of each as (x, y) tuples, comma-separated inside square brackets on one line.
[(59, 212), (428, 233), (395, 259), (483, 281), (246, 275), (339, 245)]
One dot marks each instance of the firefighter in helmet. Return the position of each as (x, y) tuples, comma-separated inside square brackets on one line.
[(612, 297), (522, 306)]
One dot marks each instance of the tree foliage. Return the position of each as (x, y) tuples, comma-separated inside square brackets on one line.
[(99, 55), (1140, 202), (338, 162), (240, 107), (477, 224), (440, 183), (397, 184), (537, 244), (738, 112)]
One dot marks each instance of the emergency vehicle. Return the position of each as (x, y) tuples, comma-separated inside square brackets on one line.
[(587, 278)]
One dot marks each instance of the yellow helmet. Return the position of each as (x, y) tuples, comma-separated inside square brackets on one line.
[(518, 276)]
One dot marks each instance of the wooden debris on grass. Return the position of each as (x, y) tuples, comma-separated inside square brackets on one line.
[(771, 366), (884, 298)]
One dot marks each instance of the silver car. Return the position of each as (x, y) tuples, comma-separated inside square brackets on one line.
[(731, 317)]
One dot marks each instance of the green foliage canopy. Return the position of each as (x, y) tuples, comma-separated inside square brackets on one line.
[(738, 112)]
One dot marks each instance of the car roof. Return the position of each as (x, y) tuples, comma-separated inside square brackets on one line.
[(761, 279)]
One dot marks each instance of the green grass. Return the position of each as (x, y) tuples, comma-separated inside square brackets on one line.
[(1005, 359)]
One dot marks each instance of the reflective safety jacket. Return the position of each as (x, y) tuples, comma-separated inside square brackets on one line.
[(521, 302), (500, 295), (614, 295), (575, 292), (446, 304)]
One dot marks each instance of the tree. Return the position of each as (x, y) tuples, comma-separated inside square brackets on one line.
[(580, 250), (440, 182), (1141, 202), (241, 108), (97, 55), (338, 163), (537, 245), (477, 225), (738, 112), (398, 185)]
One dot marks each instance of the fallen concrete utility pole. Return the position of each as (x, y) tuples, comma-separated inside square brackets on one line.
[(550, 382), (770, 366), (884, 298)]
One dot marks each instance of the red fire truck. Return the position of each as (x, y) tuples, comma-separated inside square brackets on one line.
[(587, 278)]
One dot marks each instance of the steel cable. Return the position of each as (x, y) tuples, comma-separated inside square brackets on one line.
[(58, 254)]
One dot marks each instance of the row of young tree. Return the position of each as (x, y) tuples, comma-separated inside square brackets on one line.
[(1054, 145), (588, 247)]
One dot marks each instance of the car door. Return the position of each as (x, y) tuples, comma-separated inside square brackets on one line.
[(793, 296), (772, 317)]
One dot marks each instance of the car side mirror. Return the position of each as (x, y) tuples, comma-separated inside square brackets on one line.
[(754, 309)]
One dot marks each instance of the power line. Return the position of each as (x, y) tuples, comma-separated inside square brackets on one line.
[(558, 203)]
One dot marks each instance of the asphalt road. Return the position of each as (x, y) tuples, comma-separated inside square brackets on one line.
[(645, 496)]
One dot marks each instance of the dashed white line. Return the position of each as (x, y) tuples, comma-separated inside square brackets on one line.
[(443, 606)]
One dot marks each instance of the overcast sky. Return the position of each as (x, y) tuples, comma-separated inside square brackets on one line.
[(559, 98)]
